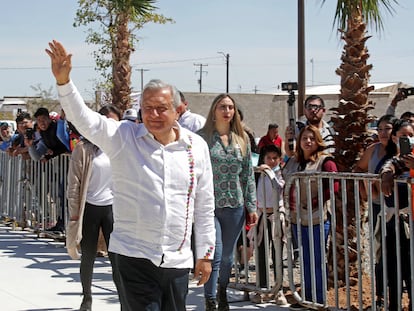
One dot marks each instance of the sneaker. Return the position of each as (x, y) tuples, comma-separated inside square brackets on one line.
[(297, 306), (268, 297), (257, 298), (210, 304), (242, 274), (280, 298)]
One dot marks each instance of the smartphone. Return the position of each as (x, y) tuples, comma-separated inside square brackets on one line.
[(29, 133), (405, 145)]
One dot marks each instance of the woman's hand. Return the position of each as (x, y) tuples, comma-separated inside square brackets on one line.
[(408, 160), (252, 219), (387, 183)]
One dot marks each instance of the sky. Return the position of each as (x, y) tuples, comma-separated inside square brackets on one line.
[(260, 38)]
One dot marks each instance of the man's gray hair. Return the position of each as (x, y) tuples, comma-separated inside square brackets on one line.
[(156, 84)]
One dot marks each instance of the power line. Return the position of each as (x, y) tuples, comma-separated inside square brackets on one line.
[(177, 61), (133, 65)]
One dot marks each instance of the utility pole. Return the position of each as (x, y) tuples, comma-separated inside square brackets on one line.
[(301, 56), (142, 77), (227, 56), (201, 73)]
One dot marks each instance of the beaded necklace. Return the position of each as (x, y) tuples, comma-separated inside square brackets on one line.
[(190, 157)]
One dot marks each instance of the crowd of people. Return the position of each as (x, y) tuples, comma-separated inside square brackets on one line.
[(170, 190)]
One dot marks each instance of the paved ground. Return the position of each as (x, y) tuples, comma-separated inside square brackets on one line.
[(36, 274)]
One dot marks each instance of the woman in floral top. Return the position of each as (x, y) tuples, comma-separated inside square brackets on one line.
[(234, 190)]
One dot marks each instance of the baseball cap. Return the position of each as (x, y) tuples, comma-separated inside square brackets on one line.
[(130, 114)]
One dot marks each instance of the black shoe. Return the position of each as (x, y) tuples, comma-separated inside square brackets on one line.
[(58, 227), (223, 305), (86, 304), (211, 304)]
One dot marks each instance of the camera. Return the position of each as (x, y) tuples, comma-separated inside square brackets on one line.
[(405, 145), (289, 86), (29, 133), (406, 91)]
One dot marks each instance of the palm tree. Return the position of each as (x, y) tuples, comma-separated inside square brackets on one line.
[(118, 20), (127, 11), (351, 116)]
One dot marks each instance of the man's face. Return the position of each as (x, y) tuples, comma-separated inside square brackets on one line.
[(314, 111), (5, 132), (23, 125), (182, 108), (273, 132), (158, 113), (43, 122)]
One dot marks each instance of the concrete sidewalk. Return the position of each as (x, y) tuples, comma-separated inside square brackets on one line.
[(38, 275)]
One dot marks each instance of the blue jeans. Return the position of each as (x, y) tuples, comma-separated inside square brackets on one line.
[(318, 260), (228, 223)]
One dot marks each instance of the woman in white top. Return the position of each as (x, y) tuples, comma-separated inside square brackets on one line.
[(90, 206)]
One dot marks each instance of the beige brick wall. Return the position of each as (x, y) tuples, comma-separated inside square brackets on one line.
[(261, 109)]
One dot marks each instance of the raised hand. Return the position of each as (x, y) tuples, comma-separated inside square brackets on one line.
[(61, 62)]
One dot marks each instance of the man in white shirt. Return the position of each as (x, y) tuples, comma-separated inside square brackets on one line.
[(162, 179), (187, 119)]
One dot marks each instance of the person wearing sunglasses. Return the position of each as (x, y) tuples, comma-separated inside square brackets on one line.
[(314, 112)]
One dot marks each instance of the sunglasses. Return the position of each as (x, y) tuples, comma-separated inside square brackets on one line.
[(314, 107)]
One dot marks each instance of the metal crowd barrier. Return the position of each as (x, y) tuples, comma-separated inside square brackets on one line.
[(33, 192), (248, 280), (350, 281), (33, 195)]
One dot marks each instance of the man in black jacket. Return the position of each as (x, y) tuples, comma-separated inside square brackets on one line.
[(48, 132)]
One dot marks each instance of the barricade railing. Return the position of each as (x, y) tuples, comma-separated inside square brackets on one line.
[(33, 192), (249, 279), (33, 195), (340, 267), (358, 244)]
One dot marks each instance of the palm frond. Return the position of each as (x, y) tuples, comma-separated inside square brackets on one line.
[(372, 10), (136, 7)]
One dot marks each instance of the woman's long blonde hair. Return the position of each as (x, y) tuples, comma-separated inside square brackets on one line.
[(238, 136)]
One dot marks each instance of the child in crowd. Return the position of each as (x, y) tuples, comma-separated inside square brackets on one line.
[(271, 210)]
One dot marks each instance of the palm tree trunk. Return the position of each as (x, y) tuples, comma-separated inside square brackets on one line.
[(121, 70), (350, 121)]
